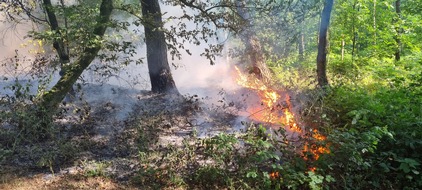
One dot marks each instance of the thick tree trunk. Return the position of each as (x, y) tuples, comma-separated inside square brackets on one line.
[(159, 69), (322, 44), (253, 46), (51, 100), (254, 52), (398, 30)]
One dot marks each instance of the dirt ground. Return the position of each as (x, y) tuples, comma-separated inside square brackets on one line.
[(100, 141)]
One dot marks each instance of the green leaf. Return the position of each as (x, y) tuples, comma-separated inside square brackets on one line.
[(329, 179), (385, 167), (252, 174), (405, 167)]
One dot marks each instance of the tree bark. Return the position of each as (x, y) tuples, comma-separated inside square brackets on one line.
[(398, 30), (322, 44), (159, 69), (342, 47), (301, 44), (253, 46), (58, 43), (353, 41), (51, 99), (301, 39), (375, 22), (355, 34)]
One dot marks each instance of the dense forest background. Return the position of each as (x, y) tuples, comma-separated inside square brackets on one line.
[(230, 94)]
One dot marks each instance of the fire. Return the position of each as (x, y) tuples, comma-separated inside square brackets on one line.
[(315, 149), (271, 111), (269, 98), (289, 119), (274, 175), (318, 136)]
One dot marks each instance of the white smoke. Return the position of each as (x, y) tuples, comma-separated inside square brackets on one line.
[(193, 74)]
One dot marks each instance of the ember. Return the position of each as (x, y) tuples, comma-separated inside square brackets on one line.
[(274, 175)]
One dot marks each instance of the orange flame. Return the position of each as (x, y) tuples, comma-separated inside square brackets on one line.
[(289, 119), (315, 149), (269, 99), (274, 175)]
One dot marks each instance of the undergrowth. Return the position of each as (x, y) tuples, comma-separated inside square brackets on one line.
[(257, 159), (371, 117)]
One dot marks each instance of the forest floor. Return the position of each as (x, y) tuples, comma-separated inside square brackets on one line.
[(101, 142)]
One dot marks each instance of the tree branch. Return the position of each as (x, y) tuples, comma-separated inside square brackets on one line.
[(53, 97), (58, 43), (28, 13), (208, 14)]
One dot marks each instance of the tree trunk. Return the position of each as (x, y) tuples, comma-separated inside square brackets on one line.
[(375, 22), (322, 44), (253, 46), (286, 51), (59, 43), (342, 47), (301, 46), (51, 100), (354, 42), (301, 40), (398, 30), (159, 69), (354, 33)]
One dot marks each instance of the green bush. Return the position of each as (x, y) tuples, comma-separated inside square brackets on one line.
[(380, 144)]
